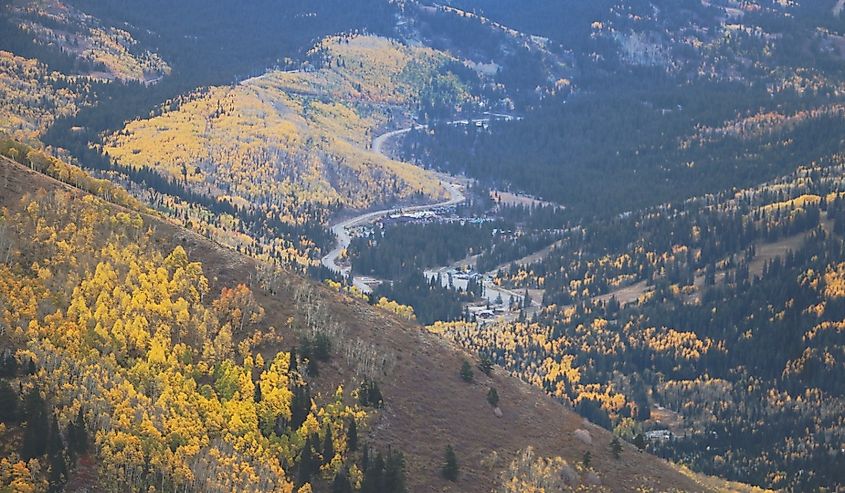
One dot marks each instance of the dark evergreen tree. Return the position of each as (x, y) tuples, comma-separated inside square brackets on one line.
[(328, 446), (616, 447), (394, 472), (485, 364), (639, 441), (365, 458), (306, 467), (8, 365), (256, 395), (374, 475), (466, 371), (450, 466), (369, 394), (352, 436), (78, 434), (300, 405), (384, 474), (493, 397), (8, 402), (322, 347), (56, 457), (710, 274), (312, 367), (37, 427), (341, 483), (640, 397)]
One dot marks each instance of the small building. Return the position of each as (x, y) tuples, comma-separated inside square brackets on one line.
[(659, 435)]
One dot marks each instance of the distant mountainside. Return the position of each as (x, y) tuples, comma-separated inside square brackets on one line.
[(287, 138), (93, 48)]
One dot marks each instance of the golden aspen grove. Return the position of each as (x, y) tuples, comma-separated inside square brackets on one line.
[(163, 372), (33, 96)]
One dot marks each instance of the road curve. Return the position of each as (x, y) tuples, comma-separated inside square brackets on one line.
[(342, 229)]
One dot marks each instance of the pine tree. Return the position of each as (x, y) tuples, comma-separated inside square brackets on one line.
[(450, 468), (316, 449), (493, 397), (365, 458), (300, 405), (256, 396), (37, 428), (322, 347), (369, 394), (710, 274), (587, 458), (352, 436), (374, 476), (306, 466), (466, 371), (78, 440), (341, 483), (328, 446), (486, 364), (312, 367), (641, 400), (639, 441), (616, 447), (375, 397), (8, 402), (394, 472), (8, 365), (55, 454)]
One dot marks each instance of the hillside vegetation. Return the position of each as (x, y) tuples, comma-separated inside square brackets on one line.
[(33, 96), (650, 246), (138, 363), (165, 381), (290, 142), (717, 320), (96, 49)]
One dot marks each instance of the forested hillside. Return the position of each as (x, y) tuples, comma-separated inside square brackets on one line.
[(715, 319), (690, 302), (34, 97), (85, 45), (77, 71), (649, 75), (138, 354), (296, 144), (557, 245)]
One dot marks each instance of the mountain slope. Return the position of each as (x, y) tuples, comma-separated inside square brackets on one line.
[(427, 405), (295, 144), (33, 96), (98, 50), (292, 136)]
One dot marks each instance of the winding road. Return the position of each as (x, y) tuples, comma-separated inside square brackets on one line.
[(453, 185), (342, 229)]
